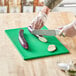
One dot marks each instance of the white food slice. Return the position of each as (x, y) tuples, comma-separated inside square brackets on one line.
[(51, 48), (42, 39)]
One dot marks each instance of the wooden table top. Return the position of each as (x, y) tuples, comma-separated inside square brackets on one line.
[(11, 62)]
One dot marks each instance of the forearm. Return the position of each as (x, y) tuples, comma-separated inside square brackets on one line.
[(52, 3), (49, 5)]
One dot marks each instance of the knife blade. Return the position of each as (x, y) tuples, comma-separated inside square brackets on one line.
[(46, 32)]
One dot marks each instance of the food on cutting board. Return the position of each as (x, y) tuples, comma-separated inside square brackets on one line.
[(30, 29), (51, 48), (22, 39), (40, 37), (43, 39)]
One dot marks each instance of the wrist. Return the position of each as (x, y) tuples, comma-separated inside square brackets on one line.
[(43, 16), (45, 10), (52, 3)]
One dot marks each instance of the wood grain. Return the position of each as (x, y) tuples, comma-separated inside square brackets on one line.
[(11, 62)]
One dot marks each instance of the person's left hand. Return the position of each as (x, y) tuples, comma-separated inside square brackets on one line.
[(68, 30), (38, 21)]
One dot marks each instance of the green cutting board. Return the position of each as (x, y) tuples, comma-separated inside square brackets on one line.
[(37, 49)]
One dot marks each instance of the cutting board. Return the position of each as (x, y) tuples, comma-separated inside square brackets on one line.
[(37, 49)]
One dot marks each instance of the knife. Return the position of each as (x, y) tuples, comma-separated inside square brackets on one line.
[(46, 32)]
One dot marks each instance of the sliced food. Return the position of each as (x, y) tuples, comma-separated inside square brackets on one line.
[(51, 48), (42, 39)]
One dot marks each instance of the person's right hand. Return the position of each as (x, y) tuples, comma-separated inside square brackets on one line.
[(68, 30)]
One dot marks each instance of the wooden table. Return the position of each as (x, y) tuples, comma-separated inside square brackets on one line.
[(11, 62)]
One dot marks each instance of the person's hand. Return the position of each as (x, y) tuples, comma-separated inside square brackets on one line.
[(38, 21), (68, 30)]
